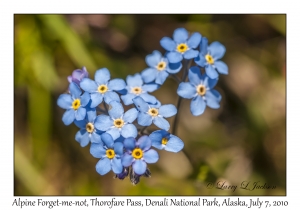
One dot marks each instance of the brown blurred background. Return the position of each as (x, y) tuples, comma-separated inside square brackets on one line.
[(244, 140)]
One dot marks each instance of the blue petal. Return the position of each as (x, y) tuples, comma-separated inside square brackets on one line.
[(118, 148), (139, 167), (74, 90), (116, 165), (156, 138), (68, 116), (174, 144), (168, 44), (111, 96), (79, 135), (211, 72), (97, 150), (216, 94), (149, 74), (211, 100), (174, 57), (102, 76), (91, 115), (194, 75), (161, 77), (200, 60), (84, 99), (144, 119), (114, 132), (84, 140), (80, 123), (153, 59), (130, 115), (194, 40), (211, 83), (65, 101), (144, 143), (103, 122), (129, 130), (203, 46), (127, 99), (168, 110), (116, 109), (135, 80), (150, 87), (103, 166), (96, 99), (107, 140), (180, 35), (80, 113), (95, 138), (127, 160), (197, 106), (88, 85), (174, 68), (161, 123), (217, 50), (148, 98), (186, 90), (151, 156), (191, 54), (221, 67), (129, 143), (140, 104), (116, 84)]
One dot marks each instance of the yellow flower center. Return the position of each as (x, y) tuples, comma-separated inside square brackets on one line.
[(76, 104), (119, 123), (137, 153), (164, 141), (89, 127), (201, 90), (136, 90), (161, 66), (182, 47), (209, 59), (110, 153), (102, 88), (153, 112)]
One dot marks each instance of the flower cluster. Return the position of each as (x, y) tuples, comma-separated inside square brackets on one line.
[(114, 115)]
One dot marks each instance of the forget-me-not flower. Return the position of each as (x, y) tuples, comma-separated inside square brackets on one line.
[(200, 90), (162, 139), (182, 46), (110, 154), (78, 75), (151, 113), (160, 68), (138, 154), (209, 57), (88, 132), (117, 123), (136, 87), (74, 103), (102, 87)]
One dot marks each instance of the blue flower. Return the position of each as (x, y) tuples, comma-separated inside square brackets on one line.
[(160, 68), (209, 57), (136, 87), (152, 113), (78, 75), (162, 139), (138, 154), (74, 103), (110, 154), (117, 123), (200, 90), (102, 87), (182, 46), (88, 132)]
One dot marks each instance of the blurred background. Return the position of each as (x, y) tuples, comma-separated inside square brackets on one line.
[(244, 140)]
